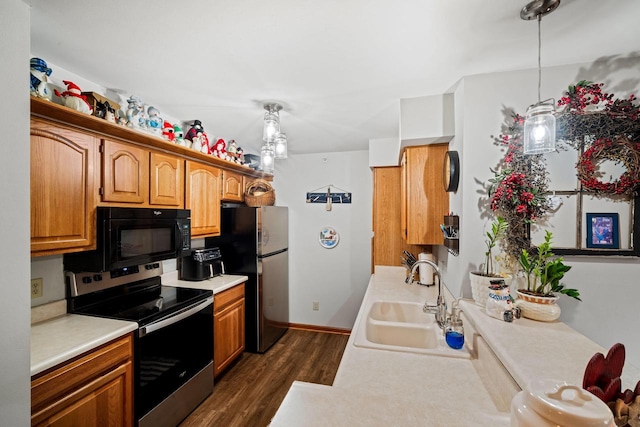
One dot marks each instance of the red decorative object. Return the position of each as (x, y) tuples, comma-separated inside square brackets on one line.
[(602, 378), (620, 150)]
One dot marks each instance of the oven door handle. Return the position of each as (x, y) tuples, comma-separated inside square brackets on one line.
[(189, 311)]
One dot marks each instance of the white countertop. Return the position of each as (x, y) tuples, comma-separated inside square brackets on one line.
[(64, 337), (377, 387), (216, 284), (57, 340)]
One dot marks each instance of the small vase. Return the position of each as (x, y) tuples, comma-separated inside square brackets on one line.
[(537, 307)]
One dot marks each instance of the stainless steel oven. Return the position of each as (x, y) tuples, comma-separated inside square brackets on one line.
[(173, 346)]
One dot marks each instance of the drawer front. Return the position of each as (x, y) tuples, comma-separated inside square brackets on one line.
[(224, 298), (53, 384)]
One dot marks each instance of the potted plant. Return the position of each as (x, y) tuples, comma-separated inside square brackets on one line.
[(543, 272), (480, 280)]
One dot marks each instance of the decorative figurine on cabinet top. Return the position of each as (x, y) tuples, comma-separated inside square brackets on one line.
[(73, 98), (154, 120), (240, 156), (39, 73), (179, 137), (135, 113), (219, 149), (104, 110), (232, 151), (167, 132), (196, 139)]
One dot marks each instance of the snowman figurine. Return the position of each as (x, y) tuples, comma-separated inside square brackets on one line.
[(73, 98), (154, 121), (39, 73)]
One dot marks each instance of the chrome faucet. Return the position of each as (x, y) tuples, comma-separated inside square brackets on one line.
[(440, 307)]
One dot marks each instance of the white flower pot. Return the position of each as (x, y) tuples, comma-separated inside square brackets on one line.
[(539, 308), (480, 286)]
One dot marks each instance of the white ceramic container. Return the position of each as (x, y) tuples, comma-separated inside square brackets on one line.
[(547, 403)]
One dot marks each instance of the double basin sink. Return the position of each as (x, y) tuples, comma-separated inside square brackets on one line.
[(405, 327)]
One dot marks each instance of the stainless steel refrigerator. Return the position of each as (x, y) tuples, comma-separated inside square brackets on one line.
[(254, 242)]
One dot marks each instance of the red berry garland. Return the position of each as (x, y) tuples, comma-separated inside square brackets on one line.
[(620, 150)]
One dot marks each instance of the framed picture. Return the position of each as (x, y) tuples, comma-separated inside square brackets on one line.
[(603, 231)]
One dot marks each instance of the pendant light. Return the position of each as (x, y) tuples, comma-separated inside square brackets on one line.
[(540, 122), (280, 145), (267, 158), (271, 122)]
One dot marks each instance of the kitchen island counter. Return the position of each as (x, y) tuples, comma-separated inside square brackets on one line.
[(380, 387)]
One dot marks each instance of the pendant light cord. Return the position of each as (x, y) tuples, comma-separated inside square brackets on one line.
[(539, 49)]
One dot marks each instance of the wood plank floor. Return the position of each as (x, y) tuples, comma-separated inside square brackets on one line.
[(251, 391)]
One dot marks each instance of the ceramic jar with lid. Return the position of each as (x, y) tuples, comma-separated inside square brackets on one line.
[(546, 403)]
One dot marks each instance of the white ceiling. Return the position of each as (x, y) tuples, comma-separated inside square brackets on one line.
[(339, 67)]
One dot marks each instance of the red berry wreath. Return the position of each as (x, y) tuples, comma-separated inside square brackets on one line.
[(620, 150)]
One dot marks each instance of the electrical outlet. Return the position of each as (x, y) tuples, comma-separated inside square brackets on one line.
[(36, 288), (316, 305)]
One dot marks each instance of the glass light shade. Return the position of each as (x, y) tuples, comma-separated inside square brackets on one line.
[(267, 158), (280, 145), (271, 126), (540, 129)]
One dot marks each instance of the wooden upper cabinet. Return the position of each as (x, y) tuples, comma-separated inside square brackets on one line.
[(424, 201), (63, 189), (125, 173), (202, 196), (232, 186), (167, 180), (388, 242)]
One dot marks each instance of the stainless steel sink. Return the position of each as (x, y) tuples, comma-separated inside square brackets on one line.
[(403, 326)]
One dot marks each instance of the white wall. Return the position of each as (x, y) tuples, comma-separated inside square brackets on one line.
[(608, 285), (336, 278), (14, 216)]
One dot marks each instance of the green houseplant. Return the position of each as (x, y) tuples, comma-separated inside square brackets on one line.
[(543, 271), (481, 279)]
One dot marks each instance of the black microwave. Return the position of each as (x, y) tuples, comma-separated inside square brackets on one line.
[(134, 236)]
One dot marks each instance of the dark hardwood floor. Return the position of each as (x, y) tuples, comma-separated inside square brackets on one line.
[(251, 391)]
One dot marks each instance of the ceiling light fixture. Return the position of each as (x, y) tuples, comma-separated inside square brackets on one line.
[(540, 122), (274, 142)]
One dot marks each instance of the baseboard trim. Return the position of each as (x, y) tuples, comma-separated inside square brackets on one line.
[(315, 328)]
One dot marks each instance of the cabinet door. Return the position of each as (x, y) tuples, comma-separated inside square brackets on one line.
[(63, 189), (388, 242), (167, 180), (426, 201), (125, 173), (202, 196), (101, 402), (95, 389), (228, 332), (232, 188)]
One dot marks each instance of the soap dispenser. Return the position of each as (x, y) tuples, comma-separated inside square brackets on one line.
[(454, 332)]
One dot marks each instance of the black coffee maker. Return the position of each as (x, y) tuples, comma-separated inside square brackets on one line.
[(201, 264)]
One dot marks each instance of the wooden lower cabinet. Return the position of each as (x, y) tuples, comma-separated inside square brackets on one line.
[(95, 389), (228, 327)]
